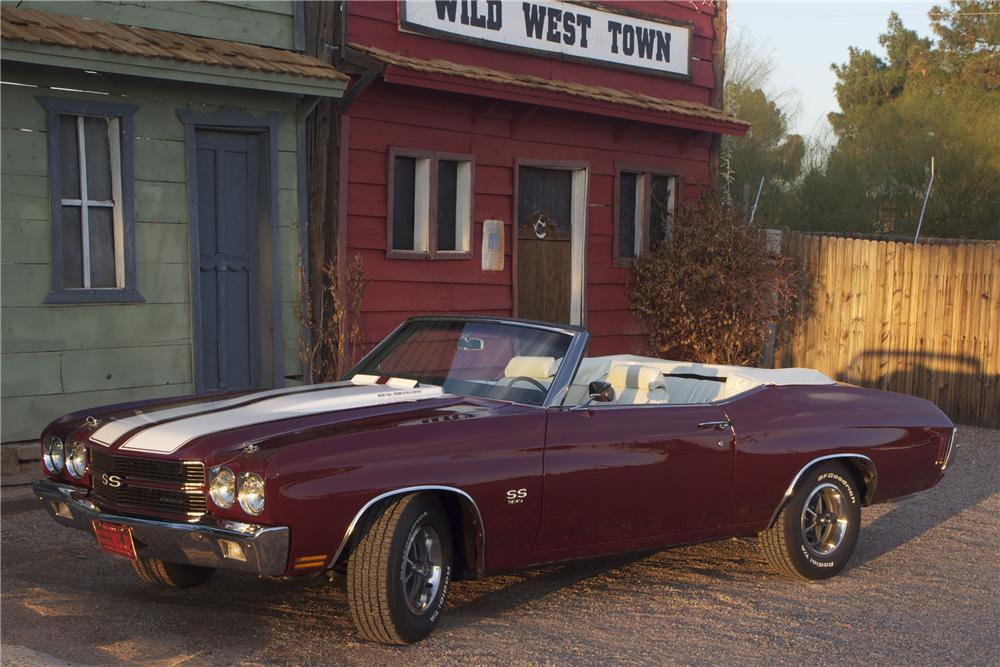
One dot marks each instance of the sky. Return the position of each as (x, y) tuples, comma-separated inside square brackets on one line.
[(805, 37)]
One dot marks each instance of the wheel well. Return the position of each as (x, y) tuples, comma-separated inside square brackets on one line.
[(468, 535), (865, 475), (861, 467)]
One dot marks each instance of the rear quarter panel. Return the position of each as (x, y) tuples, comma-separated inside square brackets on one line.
[(780, 429)]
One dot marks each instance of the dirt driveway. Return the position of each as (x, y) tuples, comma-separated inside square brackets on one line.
[(923, 588)]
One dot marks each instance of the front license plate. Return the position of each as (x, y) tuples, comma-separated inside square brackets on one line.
[(115, 539)]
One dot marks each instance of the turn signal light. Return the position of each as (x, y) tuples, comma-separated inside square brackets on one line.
[(307, 562)]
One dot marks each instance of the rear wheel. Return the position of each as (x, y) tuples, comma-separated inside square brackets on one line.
[(399, 570), (172, 575), (814, 535)]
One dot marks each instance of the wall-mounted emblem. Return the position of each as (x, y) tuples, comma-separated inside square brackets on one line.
[(541, 224)]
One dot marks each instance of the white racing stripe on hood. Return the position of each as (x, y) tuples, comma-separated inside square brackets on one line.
[(108, 434), (168, 437)]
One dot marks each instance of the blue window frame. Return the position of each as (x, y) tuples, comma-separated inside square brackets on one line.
[(90, 146)]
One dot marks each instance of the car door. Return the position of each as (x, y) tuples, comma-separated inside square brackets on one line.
[(614, 473)]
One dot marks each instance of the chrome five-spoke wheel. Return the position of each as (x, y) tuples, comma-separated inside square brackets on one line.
[(814, 533), (422, 567), (824, 519)]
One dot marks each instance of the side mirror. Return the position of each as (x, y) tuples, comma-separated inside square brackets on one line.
[(602, 392)]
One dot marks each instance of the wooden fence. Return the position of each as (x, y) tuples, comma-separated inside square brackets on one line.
[(921, 320)]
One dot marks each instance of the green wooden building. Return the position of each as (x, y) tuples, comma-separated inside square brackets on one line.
[(153, 199)]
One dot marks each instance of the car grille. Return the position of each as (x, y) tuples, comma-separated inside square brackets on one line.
[(166, 487)]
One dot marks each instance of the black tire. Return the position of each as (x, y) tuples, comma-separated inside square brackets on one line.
[(800, 547), (377, 588), (171, 575)]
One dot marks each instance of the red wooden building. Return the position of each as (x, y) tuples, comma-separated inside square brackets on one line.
[(512, 158)]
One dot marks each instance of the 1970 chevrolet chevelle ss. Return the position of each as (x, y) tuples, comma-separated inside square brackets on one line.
[(462, 446)]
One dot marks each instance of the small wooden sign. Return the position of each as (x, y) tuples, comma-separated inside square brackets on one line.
[(493, 245)]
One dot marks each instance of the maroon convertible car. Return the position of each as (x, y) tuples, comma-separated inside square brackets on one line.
[(463, 446)]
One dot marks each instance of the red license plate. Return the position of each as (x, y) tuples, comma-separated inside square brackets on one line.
[(115, 539)]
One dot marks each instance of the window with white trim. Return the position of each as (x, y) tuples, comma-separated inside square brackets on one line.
[(91, 195), (430, 205), (645, 212)]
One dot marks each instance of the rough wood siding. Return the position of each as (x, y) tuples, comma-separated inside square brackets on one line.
[(386, 116), (60, 358), (376, 24), (267, 23)]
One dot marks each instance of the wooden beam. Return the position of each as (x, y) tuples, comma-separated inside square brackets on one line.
[(718, 92)]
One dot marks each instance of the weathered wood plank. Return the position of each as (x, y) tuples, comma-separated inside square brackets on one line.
[(160, 202), (157, 242), (24, 153), (250, 24), (123, 368), (44, 328), (29, 374), (159, 160), (28, 241), (25, 416)]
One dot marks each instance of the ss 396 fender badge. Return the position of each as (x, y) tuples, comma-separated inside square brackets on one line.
[(516, 496)]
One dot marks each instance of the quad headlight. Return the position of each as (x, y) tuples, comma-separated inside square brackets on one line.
[(251, 494), (53, 454), (76, 460), (222, 487)]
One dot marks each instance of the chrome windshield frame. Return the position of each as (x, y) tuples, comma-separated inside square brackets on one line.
[(560, 383)]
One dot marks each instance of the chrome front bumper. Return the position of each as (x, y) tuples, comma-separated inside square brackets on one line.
[(264, 548)]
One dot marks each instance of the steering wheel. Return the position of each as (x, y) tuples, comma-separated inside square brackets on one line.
[(541, 387)]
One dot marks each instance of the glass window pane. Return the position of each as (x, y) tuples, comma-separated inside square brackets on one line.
[(102, 246), (72, 247), (447, 205), (661, 210), (98, 159), (403, 193), (69, 158), (626, 214)]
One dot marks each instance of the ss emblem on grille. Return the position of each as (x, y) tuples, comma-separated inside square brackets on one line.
[(114, 481)]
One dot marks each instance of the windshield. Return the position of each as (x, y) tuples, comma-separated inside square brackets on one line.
[(489, 359)]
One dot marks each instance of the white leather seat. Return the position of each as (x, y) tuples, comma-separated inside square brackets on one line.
[(637, 385)]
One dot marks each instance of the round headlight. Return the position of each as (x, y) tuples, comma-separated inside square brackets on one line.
[(251, 493), (222, 487), (53, 454), (76, 460)]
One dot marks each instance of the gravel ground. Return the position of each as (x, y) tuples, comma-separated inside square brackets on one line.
[(921, 589)]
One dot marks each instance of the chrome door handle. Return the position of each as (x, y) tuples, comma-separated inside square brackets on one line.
[(718, 425)]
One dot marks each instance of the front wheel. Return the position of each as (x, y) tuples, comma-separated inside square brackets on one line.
[(171, 575), (814, 535), (399, 570)]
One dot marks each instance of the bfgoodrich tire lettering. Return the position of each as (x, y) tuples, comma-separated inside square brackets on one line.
[(814, 535), (399, 570)]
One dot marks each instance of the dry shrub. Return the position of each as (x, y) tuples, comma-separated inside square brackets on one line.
[(712, 293), (333, 325)]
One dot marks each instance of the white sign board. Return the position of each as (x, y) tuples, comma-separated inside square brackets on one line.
[(569, 30)]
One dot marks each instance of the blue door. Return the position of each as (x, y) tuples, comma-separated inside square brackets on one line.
[(229, 173)]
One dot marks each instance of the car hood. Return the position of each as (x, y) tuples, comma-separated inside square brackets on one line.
[(200, 429)]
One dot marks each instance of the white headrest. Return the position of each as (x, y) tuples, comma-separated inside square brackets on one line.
[(634, 377), (532, 367)]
